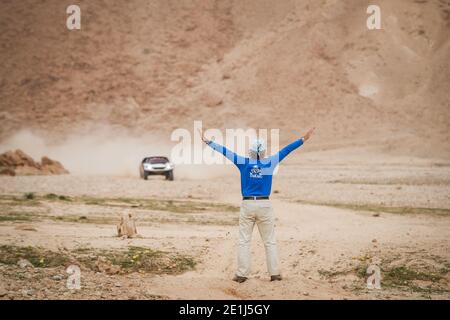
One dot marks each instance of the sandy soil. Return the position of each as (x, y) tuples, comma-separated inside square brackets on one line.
[(334, 215), (371, 187)]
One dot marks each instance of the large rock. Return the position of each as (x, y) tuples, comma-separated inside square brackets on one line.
[(19, 163), (16, 159), (50, 166)]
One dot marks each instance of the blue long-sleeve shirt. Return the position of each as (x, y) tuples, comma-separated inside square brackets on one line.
[(256, 175)]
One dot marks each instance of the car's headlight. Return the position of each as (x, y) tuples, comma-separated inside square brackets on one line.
[(169, 165)]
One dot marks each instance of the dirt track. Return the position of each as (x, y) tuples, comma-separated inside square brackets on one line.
[(334, 217)]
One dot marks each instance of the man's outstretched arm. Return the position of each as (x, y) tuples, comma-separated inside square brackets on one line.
[(233, 157), (294, 145)]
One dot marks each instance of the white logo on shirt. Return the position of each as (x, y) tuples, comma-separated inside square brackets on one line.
[(255, 172)]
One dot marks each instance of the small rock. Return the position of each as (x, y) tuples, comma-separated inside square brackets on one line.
[(28, 292), (374, 240), (57, 277), (376, 215), (118, 285), (24, 263), (305, 293)]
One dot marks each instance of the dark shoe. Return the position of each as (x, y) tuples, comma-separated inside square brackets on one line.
[(239, 279), (276, 278)]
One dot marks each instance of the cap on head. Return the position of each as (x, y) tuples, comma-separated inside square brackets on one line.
[(258, 146)]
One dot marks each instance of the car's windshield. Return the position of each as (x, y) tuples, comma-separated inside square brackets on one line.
[(154, 160)]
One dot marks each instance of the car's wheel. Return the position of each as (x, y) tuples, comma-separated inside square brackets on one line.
[(145, 176), (169, 176)]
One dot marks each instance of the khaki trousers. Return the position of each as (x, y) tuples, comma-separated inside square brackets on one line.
[(261, 213)]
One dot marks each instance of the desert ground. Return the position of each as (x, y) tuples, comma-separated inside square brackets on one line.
[(371, 187), (335, 216)]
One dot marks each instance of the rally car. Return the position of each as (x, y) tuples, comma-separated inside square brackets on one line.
[(156, 166)]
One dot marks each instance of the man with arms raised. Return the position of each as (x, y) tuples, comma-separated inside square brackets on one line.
[(256, 183)]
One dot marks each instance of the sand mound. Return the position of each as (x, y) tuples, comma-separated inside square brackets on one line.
[(19, 163)]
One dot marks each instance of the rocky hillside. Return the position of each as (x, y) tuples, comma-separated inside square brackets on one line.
[(152, 66)]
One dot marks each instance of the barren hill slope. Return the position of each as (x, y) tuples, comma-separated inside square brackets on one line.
[(158, 65)]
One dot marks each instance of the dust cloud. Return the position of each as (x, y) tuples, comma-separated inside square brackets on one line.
[(107, 151)]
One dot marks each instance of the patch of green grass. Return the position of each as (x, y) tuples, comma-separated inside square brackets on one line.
[(332, 274), (394, 182), (83, 219), (380, 209), (14, 217), (400, 277), (134, 259), (406, 279), (39, 257), (52, 196), (140, 259), (28, 196), (82, 250), (182, 211), (8, 200), (403, 276), (361, 270), (175, 206)]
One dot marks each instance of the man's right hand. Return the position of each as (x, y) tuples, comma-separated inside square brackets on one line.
[(203, 137)]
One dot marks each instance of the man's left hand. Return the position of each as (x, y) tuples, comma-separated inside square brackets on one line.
[(308, 134)]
